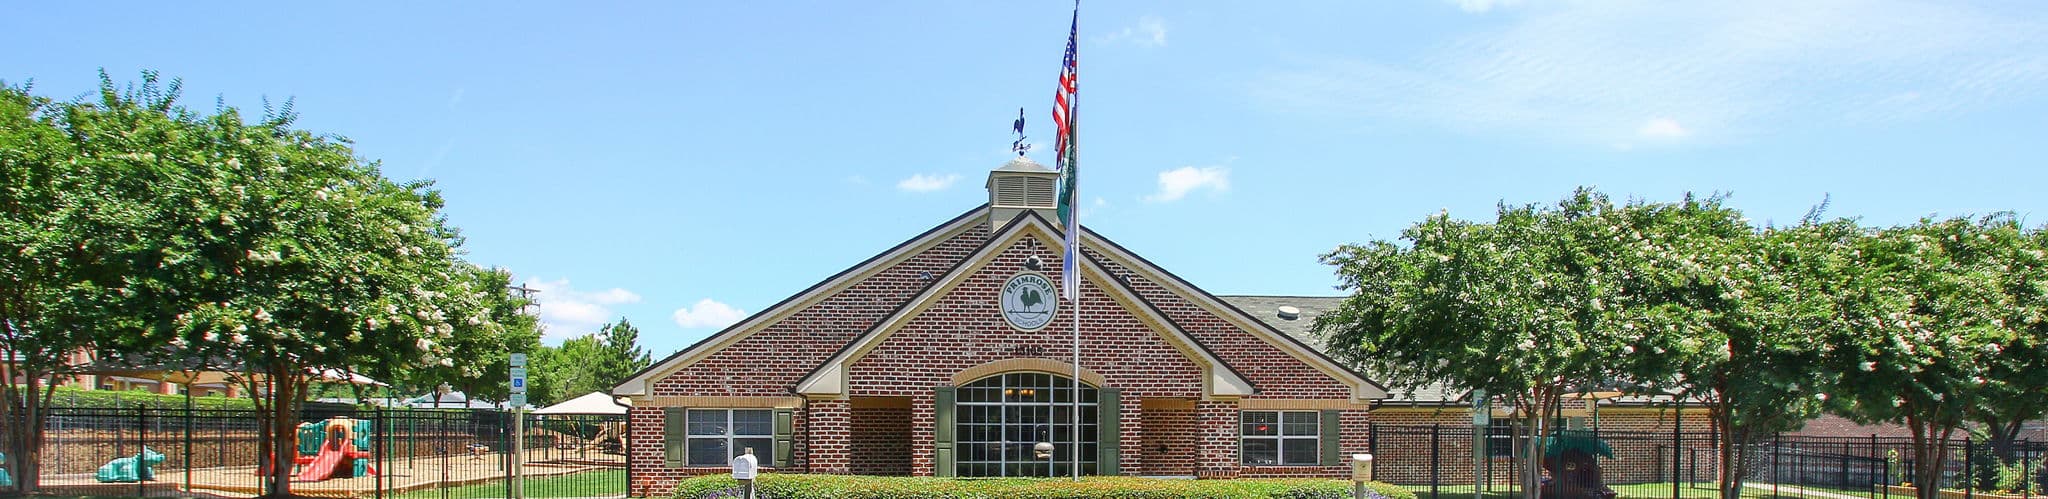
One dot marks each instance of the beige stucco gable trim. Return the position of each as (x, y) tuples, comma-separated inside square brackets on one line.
[(831, 377), (640, 383)]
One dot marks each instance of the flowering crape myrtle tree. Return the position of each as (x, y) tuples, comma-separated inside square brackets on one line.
[(1525, 307), (1925, 327), (2016, 389), (479, 350), (277, 251), (1728, 317), (64, 247)]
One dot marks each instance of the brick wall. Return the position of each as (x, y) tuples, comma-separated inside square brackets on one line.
[(1171, 441), (1275, 373), (966, 329), (770, 361), (881, 441), (830, 431)]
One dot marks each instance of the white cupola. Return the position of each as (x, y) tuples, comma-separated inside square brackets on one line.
[(1019, 185)]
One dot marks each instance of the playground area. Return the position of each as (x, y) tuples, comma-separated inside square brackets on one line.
[(419, 454)]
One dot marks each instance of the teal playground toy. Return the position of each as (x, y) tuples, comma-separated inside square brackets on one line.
[(131, 469), (4, 480), (334, 448)]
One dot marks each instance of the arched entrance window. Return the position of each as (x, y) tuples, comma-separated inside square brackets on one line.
[(1001, 418)]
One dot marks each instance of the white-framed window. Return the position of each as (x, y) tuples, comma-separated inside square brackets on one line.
[(1279, 438), (718, 435)]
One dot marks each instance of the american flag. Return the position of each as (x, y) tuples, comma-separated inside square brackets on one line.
[(1063, 99), (1064, 102)]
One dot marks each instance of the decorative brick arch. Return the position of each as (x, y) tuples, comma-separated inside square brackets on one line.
[(1032, 364)]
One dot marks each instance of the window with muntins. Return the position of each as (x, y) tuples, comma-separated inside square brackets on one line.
[(718, 435), (1280, 438), (1001, 419)]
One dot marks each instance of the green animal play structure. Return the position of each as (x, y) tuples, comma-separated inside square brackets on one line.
[(4, 480), (1571, 459), (131, 469)]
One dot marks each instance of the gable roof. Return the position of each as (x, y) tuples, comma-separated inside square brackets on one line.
[(828, 378), (637, 384), (1362, 387)]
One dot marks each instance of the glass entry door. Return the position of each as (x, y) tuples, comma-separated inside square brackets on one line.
[(1001, 420)]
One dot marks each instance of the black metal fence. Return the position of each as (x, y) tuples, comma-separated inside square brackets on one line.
[(1452, 461), (398, 453)]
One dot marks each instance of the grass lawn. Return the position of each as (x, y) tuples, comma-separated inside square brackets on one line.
[(1663, 491), (602, 483)]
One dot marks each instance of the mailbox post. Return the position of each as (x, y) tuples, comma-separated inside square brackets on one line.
[(1361, 472)]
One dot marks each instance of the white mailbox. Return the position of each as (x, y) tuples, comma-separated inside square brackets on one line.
[(1361, 467)]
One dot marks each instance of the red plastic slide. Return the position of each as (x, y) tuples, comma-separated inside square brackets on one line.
[(323, 465)]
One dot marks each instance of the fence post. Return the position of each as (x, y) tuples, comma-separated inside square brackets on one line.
[(142, 447), (383, 432), (1372, 438), (188, 438), (1435, 466), (1969, 468), (1677, 442)]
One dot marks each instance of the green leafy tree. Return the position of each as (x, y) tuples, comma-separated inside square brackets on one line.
[(1526, 307), (1924, 329), (58, 261), (479, 351), (2016, 386), (275, 250), (589, 363), (1727, 316)]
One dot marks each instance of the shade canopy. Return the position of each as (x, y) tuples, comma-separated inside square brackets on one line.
[(590, 403)]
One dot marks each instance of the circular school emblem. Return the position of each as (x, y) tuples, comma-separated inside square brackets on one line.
[(1028, 301)]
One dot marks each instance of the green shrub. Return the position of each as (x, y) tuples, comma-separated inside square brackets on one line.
[(803, 486), (110, 399)]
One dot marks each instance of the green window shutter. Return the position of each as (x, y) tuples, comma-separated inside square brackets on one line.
[(785, 437), (1331, 436), (675, 435), (942, 431), (1108, 431)]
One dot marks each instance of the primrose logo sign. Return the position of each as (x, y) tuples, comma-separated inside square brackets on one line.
[(1028, 301)]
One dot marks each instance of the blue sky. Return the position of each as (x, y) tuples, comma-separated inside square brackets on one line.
[(684, 164)]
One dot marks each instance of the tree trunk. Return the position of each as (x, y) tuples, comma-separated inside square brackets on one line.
[(1930, 451), (21, 407), (284, 381), (2004, 439)]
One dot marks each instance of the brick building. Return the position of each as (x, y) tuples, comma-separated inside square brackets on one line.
[(949, 355)]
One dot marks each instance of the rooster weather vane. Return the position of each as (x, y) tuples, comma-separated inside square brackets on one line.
[(1017, 127)]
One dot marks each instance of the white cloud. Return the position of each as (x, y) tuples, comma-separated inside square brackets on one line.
[(708, 313), (1663, 128), (928, 183), (1481, 6), (567, 312), (1149, 32), (1177, 183), (1591, 72)]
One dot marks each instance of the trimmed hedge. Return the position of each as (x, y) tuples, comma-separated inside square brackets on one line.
[(111, 399), (805, 486)]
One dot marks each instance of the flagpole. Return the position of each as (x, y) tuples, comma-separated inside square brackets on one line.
[(1073, 153)]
